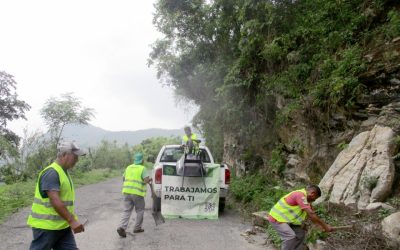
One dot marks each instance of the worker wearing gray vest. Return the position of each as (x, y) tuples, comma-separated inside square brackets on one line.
[(52, 216), (134, 191)]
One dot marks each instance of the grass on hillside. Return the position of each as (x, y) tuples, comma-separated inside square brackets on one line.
[(19, 195)]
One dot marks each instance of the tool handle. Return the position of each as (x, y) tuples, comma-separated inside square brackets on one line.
[(153, 194), (343, 227)]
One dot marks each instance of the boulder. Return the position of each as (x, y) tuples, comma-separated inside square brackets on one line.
[(372, 207), (391, 229), (363, 173), (318, 245)]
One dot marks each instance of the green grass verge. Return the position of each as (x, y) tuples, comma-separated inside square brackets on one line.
[(15, 196), (94, 176), (19, 195)]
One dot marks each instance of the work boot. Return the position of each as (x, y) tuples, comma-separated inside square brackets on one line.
[(121, 232), (138, 230)]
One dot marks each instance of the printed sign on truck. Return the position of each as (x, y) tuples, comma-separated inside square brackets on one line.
[(197, 198)]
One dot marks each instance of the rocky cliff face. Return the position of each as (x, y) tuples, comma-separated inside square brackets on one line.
[(312, 140)]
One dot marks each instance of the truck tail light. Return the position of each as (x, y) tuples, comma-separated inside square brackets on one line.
[(227, 176), (158, 176)]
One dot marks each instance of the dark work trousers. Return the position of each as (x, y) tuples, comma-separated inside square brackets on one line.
[(53, 239), (292, 236)]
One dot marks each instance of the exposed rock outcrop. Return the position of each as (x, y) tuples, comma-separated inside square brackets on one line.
[(363, 173), (391, 229)]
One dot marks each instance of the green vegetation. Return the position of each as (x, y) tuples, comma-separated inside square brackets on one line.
[(255, 66), (151, 147), (257, 191), (395, 202), (58, 112), (277, 161), (262, 71), (93, 176), (342, 146), (15, 196), (273, 236), (313, 235), (11, 108), (106, 161), (297, 146), (18, 195), (370, 182)]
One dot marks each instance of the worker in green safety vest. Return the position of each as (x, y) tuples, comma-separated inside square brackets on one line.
[(134, 190), (289, 213), (52, 216), (190, 141)]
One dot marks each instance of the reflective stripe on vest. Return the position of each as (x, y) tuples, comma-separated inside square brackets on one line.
[(43, 215), (133, 183), (48, 204), (283, 212)]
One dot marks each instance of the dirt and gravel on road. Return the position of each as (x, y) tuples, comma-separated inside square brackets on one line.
[(100, 207)]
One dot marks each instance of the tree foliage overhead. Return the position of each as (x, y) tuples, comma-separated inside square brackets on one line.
[(233, 57), (11, 108)]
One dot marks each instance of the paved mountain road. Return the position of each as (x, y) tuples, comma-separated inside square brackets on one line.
[(101, 206)]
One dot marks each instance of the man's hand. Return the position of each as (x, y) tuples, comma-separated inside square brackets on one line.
[(328, 228), (62, 210), (314, 218), (76, 227), (148, 180)]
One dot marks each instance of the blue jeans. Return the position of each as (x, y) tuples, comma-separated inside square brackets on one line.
[(53, 239)]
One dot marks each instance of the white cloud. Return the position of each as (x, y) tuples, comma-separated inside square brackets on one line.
[(96, 49)]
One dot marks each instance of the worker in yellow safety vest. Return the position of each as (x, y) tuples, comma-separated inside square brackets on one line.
[(190, 141), (134, 190), (289, 213), (52, 216)]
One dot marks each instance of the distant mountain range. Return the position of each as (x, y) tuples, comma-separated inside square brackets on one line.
[(89, 135)]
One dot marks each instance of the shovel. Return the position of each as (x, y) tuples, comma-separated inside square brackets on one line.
[(343, 227), (156, 213)]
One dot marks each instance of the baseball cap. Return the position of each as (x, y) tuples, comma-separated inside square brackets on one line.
[(138, 158), (71, 147)]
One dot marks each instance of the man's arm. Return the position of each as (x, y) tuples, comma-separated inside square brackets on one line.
[(315, 219), (62, 210), (148, 180)]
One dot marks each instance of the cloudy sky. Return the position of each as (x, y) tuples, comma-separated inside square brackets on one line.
[(97, 49)]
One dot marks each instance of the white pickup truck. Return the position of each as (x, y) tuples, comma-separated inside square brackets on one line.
[(166, 161)]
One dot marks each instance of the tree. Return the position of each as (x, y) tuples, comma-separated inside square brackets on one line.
[(58, 112), (151, 146), (11, 108)]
